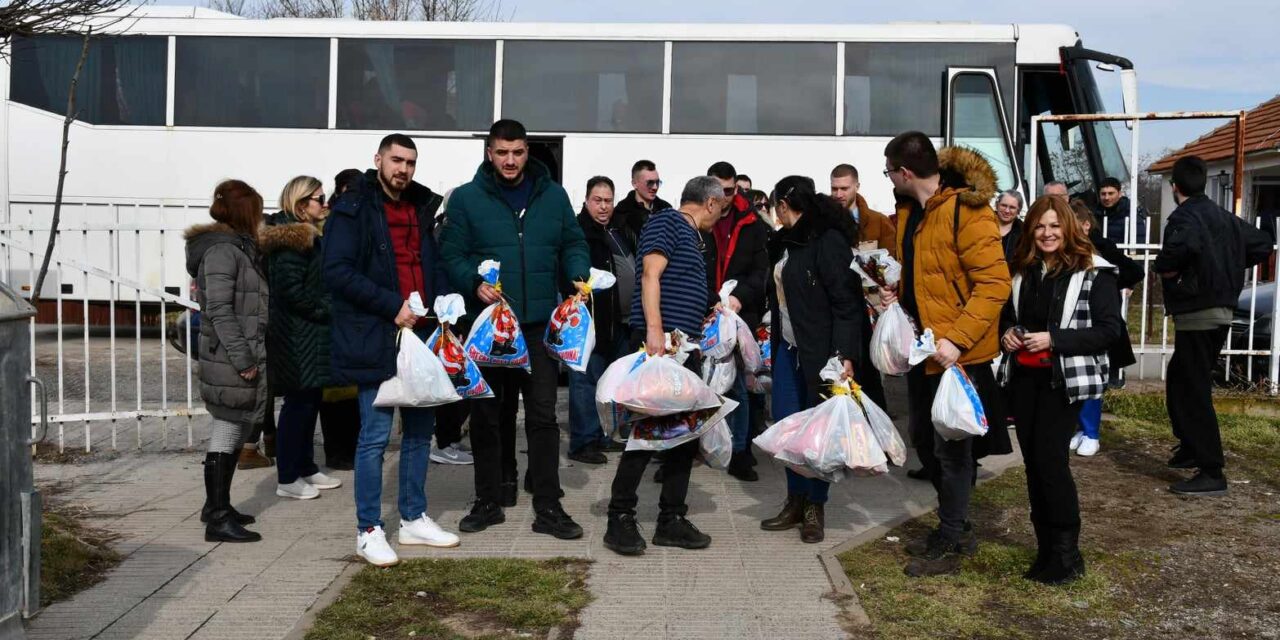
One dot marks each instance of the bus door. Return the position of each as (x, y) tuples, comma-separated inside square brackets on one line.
[(975, 118)]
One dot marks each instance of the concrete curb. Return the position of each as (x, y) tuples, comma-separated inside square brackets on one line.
[(327, 597)]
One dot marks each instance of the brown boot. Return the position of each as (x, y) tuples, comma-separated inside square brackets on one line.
[(789, 517), (251, 459), (813, 529)]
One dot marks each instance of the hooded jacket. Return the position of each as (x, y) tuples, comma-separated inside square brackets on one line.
[(298, 336), (234, 296), (364, 284), (1205, 253), (874, 226), (961, 278), (536, 246)]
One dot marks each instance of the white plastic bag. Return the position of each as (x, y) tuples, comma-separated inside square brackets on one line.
[(611, 416), (877, 268), (891, 341), (885, 431), (719, 374), (717, 446), (720, 330), (957, 410), (660, 387), (420, 379), (571, 331), (923, 348)]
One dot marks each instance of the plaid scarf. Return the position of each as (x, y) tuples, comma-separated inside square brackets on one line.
[(1083, 377)]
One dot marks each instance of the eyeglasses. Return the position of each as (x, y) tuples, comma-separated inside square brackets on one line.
[(889, 171), (653, 184), (319, 198)]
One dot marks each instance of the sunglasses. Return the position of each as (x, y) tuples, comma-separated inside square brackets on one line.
[(730, 191), (319, 199), (653, 184)]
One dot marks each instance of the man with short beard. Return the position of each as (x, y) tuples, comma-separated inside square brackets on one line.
[(515, 213), (378, 249)]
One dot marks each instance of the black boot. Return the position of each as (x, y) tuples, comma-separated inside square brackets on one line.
[(1042, 553), (1065, 564), (740, 467), (222, 526), (240, 518)]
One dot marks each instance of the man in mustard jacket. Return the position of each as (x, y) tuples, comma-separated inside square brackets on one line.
[(954, 282)]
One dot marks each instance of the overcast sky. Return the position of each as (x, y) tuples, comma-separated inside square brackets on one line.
[(1189, 54)]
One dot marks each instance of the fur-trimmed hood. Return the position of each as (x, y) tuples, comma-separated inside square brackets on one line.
[(288, 236), (965, 169), (202, 237)]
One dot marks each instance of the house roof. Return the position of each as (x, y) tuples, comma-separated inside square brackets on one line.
[(1261, 133)]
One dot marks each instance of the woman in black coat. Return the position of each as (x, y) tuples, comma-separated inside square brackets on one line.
[(817, 308), (1062, 318)]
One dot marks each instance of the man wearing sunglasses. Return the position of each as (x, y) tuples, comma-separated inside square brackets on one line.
[(634, 210)]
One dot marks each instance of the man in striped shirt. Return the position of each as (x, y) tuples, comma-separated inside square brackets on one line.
[(671, 295)]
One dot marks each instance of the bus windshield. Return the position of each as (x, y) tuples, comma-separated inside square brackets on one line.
[(1114, 164)]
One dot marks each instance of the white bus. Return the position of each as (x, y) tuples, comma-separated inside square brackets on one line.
[(183, 98)]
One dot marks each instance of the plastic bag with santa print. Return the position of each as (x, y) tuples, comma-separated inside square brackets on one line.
[(420, 379), (495, 339), (462, 370), (720, 329), (571, 331), (762, 381)]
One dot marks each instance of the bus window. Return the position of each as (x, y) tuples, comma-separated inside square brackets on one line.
[(583, 86), (252, 82), (891, 87), (415, 85), (753, 88), (122, 82), (1103, 134), (976, 122)]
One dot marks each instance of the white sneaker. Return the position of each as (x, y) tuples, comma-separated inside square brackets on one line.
[(372, 546), (298, 490), (425, 531), (1075, 440), (451, 454), (1088, 447), (321, 481)]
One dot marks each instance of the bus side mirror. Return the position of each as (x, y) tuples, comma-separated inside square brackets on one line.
[(1129, 92)]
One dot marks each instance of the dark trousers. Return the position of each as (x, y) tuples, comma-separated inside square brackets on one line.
[(266, 427), (677, 463), (1045, 423), (340, 424), (1189, 394), (295, 439), (949, 462), (759, 413), (449, 420), (492, 447)]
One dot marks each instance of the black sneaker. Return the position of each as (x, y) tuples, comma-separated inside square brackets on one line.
[(553, 521), (589, 454), (920, 474), (623, 535), (1202, 484), (484, 514), (509, 493), (923, 547), (677, 531), (609, 445)]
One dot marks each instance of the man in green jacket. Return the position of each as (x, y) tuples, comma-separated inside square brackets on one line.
[(515, 213)]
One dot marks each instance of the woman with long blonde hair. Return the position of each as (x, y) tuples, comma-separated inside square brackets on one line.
[(1056, 329)]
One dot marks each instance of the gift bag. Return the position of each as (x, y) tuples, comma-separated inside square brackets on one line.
[(420, 379), (611, 415), (719, 374), (765, 341), (660, 433), (720, 330), (885, 432), (922, 349), (463, 371), (495, 339), (877, 268), (660, 386), (957, 409), (717, 446), (891, 341), (571, 331)]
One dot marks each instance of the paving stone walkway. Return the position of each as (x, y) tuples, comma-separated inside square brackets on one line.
[(173, 584)]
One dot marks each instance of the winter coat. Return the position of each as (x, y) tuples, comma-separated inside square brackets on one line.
[(610, 314), (536, 247), (1081, 353), (298, 336), (961, 277), (746, 261), (874, 226), (1206, 251), (1009, 242), (364, 284), (824, 298), (1116, 217), (632, 215), (234, 296)]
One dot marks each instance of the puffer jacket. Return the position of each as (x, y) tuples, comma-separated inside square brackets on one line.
[(537, 247), (298, 336), (234, 297), (961, 279)]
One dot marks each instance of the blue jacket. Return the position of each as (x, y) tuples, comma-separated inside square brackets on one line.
[(360, 272)]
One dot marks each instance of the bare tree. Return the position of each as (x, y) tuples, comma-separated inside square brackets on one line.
[(233, 7), (460, 10), (428, 10), (57, 17)]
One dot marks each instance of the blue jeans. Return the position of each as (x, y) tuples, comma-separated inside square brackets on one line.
[(790, 395), (296, 435), (740, 419), (1091, 417), (584, 420), (415, 445)]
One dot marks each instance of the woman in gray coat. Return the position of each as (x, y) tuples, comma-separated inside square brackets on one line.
[(232, 294)]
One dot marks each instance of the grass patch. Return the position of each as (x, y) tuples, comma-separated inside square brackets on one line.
[(492, 598), (1250, 439), (73, 557)]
